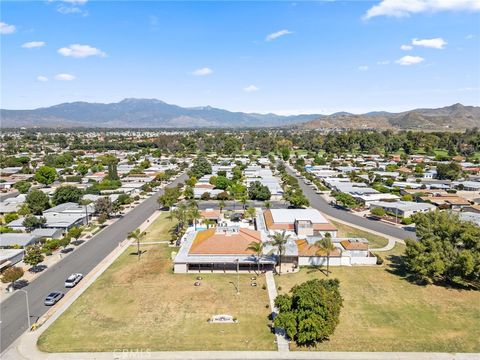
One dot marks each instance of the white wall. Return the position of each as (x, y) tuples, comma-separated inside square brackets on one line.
[(318, 261), (180, 268)]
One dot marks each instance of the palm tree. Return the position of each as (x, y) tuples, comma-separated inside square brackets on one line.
[(195, 215), (244, 201), (251, 212), (326, 245), (257, 248), (221, 205), (208, 222), (279, 240), (137, 235)]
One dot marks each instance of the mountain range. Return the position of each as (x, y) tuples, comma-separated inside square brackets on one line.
[(152, 113)]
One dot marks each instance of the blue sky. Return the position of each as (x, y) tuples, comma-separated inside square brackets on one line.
[(283, 57)]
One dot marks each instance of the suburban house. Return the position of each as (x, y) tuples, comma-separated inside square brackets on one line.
[(45, 233), (402, 208), (9, 257), (10, 240), (211, 214), (452, 202), (202, 188)]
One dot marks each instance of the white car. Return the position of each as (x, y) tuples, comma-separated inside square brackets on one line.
[(73, 280)]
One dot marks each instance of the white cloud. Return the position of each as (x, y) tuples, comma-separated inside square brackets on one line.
[(470, 37), (203, 71), (7, 29), (33, 44), (81, 51), (436, 43), (276, 35), (383, 62), (363, 68), (404, 8), (410, 60), (71, 7), (251, 88), (42, 78), (406, 47), (64, 77)]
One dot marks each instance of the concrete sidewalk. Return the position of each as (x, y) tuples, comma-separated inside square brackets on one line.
[(282, 342)]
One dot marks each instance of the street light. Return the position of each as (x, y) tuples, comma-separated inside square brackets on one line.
[(28, 306)]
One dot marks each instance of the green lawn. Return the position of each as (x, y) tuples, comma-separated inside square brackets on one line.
[(142, 304), (384, 312), (376, 241)]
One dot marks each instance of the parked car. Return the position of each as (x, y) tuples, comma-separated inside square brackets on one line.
[(73, 280), (53, 298)]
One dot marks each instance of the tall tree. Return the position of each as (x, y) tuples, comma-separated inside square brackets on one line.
[(447, 250), (279, 241), (137, 234), (311, 314), (33, 222), (45, 175), (33, 255), (325, 245), (67, 193), (257, 248), (37, 201)]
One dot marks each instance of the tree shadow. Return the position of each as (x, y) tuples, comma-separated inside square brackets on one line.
[(135, 253), (317, 268), (397, 267)]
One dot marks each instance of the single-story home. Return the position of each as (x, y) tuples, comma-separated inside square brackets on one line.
[(48, 233), (9, 240), (9, 257), (403, 208), (223, 248)]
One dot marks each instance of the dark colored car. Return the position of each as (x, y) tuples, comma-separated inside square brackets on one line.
[(53, 298)]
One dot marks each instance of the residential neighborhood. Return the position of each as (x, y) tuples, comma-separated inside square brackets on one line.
[(240, 180)]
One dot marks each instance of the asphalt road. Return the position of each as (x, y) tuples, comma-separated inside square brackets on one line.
[(323, 206), (13, 310), (237, 205)]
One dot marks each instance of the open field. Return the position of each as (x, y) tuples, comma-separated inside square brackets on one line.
[(376, 241), (159, 229), (384, 312), (142, 304)]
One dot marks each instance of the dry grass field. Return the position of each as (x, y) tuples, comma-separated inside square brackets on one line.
[(384, 312), (142, 304)]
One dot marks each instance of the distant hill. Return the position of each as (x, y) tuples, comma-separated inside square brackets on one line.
[(141, 113), (456, 116), (152, 113)]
